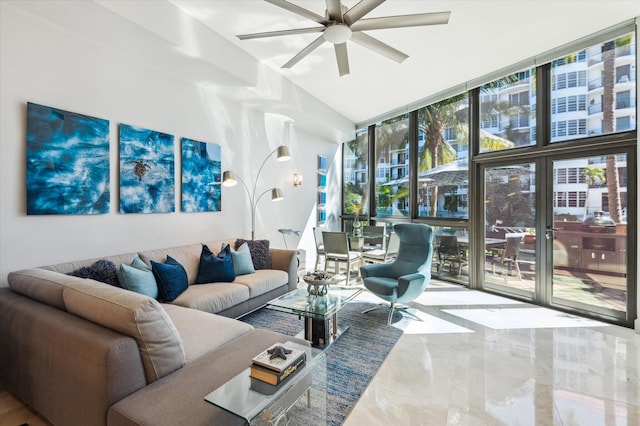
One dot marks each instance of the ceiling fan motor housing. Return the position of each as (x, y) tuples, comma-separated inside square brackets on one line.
[(337, 33)]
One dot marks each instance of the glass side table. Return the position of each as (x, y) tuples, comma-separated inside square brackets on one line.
[(287, 405)]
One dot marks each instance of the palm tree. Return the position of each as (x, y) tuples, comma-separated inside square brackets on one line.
[(592, 176), (433, 120), (393, 134), (356, 192), (608, 126)]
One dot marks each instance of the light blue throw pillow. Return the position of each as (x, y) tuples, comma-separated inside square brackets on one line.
[(242, 262), (138, 277)]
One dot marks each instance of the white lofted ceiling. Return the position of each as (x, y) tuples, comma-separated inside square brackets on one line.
[(481, 37)]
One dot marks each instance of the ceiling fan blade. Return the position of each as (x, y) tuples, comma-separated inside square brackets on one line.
[(334, 10), (401, 21), (378, 47), (342, 58), (360, 9), (281, 33), (299, 11), (304, 52)]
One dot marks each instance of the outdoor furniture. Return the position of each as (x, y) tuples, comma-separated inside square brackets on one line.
[(507, 256), (450, 252), (383, 255), (336, 250), (405, 278)]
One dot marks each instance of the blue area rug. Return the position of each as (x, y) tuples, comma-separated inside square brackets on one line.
[(352, 360)]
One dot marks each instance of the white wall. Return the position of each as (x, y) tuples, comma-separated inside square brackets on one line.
[(47, 64)]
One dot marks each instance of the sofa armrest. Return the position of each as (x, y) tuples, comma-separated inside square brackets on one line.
[(68, 369), (286, 260)]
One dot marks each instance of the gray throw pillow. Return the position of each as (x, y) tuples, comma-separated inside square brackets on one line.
[(102, 270), (259, 252)]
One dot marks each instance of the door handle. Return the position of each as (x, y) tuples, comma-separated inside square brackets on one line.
[(549, 232)]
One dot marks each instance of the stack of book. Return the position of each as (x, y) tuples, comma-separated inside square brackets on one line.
[(268, 372)]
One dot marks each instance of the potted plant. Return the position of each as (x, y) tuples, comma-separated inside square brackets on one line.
[(530, 236)]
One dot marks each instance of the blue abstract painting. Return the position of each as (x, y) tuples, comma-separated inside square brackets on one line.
[(67, 162), (201, 176), (322, 180), (147, 181)]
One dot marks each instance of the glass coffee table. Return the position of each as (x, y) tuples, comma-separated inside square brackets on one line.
[(286, 404), (320, 313)]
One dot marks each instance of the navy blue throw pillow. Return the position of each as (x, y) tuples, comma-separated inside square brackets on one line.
[(215, 269), (171, 278)]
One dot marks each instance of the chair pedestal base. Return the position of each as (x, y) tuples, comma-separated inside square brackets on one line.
[(391, 308)]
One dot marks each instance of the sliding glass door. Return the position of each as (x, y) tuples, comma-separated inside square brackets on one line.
[(566, 247)]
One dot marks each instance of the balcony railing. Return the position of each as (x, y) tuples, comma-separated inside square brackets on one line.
[(619, 52), (596, 83), (626, 103), (595, 108)]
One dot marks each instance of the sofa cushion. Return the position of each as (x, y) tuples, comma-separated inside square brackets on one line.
[(263, 281), (242, 262), (134, 315), (171, 278), (188, 256), (42, 285), (202, 332), (259, 252), (138, 277), (215, 268), (213, 297), (102, 270)]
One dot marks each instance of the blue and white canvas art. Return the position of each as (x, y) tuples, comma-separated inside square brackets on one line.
[(67, 162), (147, 164), (201, 176)]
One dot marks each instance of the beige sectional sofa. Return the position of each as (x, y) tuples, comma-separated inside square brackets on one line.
[(82, 352)]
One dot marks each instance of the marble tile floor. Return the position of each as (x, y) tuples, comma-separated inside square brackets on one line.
[(480, 359)]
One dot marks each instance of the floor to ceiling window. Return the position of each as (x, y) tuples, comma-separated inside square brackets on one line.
[(355, 186), (528, 179), (391, 161), (443, 158)]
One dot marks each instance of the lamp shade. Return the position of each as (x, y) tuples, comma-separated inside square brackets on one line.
[(283, 153), (276, 194), (228, 179)]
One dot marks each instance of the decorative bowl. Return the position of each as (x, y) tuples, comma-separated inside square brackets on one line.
[(317, 282)]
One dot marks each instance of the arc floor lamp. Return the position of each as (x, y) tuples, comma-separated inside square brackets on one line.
[(229, 179)]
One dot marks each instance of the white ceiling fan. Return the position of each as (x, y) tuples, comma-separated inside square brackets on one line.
[(341, 25)]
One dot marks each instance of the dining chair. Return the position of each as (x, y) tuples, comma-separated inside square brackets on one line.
[(373, 237), (336, 250), (383, 255), (317, 236), (450, 252)]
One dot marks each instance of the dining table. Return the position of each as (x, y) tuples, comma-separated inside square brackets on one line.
[(489, 243)]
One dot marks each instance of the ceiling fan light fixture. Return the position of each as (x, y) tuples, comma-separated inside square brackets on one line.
[(337, 33)]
